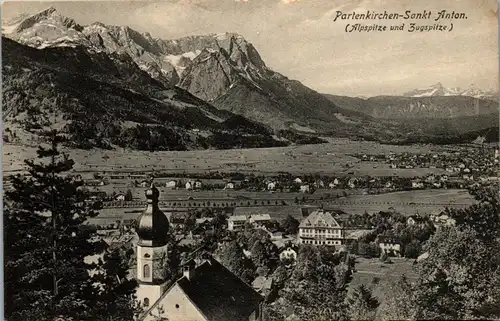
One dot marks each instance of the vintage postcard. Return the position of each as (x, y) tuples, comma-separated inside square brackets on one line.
[(266, 160)]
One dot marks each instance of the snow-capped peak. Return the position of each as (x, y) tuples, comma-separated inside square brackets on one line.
[(439, 90)]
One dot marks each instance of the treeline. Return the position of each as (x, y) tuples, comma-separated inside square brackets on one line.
[(390, 225), (88, 135), (300, 139), (228, 140), (490, 135)]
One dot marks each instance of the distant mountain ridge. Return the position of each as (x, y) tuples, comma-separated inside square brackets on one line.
[(439, 90), (400, 107)]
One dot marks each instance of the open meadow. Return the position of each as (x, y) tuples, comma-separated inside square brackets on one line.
[(375, 274), (332, 158), (406, 202), (328, 158)]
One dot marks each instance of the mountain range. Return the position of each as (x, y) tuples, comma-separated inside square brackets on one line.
[(136, 82), (439, 90), (403, 107)]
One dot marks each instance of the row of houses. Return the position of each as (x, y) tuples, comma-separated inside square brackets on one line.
[(189, 185)]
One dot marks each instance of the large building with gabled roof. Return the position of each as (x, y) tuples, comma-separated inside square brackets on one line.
[(321, 228)]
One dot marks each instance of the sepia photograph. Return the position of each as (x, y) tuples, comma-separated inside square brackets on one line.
[(250, 160)]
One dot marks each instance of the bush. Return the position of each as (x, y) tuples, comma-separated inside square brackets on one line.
[(412, 250)]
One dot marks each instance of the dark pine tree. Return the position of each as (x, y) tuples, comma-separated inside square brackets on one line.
[(45, 244), (114, 297)]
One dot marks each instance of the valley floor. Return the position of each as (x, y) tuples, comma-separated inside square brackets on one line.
[(330, 158)]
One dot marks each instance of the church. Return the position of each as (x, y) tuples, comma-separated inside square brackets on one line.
[(206, 291)]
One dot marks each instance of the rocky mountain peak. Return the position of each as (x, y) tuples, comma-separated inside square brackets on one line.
[(46, 14), (440, 90)]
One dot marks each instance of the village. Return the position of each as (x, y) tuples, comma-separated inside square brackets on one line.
[(457, 170), (219, 211), (385, 237)]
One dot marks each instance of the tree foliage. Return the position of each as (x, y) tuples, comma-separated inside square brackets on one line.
[(115, 293), (318, 286), (290, 225), (459, 279), (46, 244), (362, 305), (232, 257)]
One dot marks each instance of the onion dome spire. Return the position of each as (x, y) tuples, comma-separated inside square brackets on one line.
[(152, 225)]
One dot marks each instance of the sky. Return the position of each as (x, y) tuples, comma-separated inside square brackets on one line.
[(301, 40)]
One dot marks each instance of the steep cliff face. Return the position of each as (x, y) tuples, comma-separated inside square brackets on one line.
[(224, 69), (232, 75), (209, 75)]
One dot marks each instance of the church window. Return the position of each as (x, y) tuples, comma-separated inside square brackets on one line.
[(147, 255), (176, 306), (147, 271), (146, 302)]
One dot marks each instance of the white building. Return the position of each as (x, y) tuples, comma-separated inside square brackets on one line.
[(289, 253), (321, 228), (389, 245), (120, 197), (271, 186), (259, 219), (237, 222), (190, 185), (171, 184), (334, 184), (305, 188), (417, 184)]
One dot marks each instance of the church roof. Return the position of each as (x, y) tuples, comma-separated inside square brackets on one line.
[(219, 294), (152, 225)]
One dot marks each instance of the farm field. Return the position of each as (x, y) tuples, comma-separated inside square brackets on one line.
[(182, 194), (111, 215), (328, 158), (407, 202)]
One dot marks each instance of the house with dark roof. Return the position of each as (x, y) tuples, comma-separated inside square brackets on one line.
[(415, 220), (207, 292)]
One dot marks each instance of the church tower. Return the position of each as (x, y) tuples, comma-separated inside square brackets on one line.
[(152, 228)]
